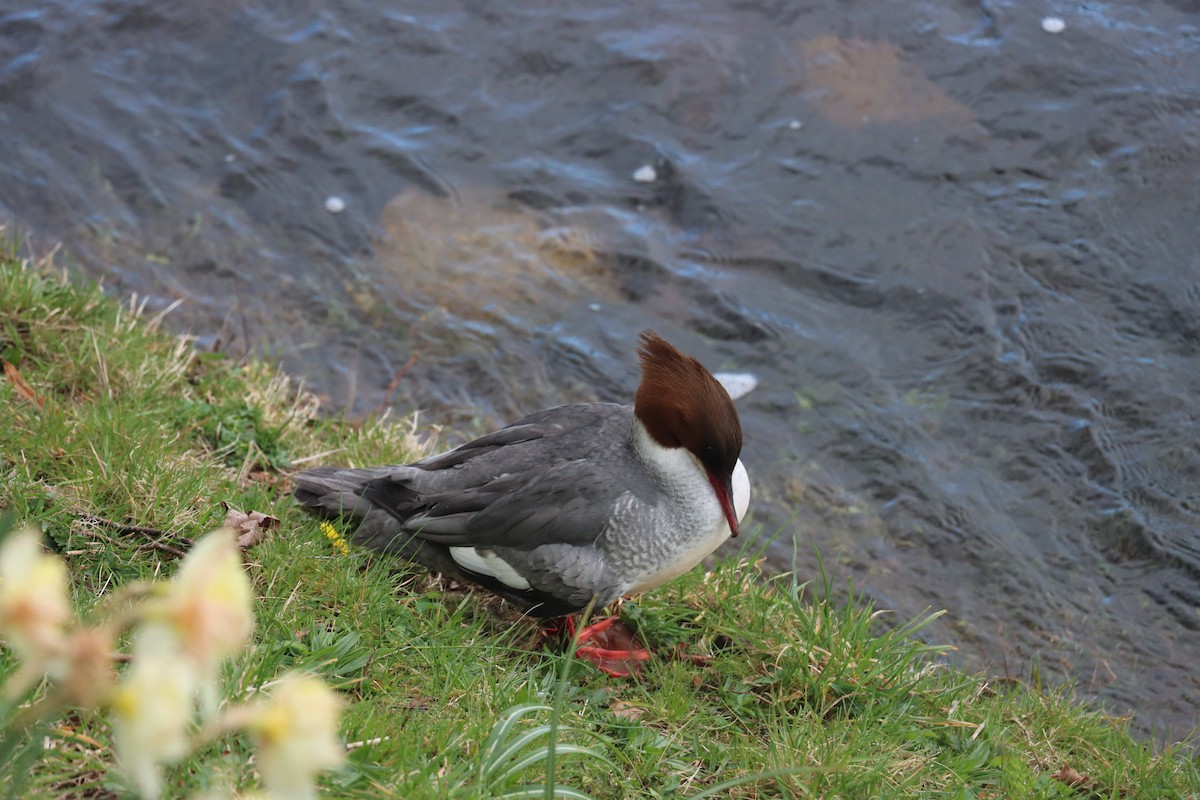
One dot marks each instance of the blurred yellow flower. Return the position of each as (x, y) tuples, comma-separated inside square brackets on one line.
[(209, 601), (153, 708), (204, 615), (208, 608), (35, 607), (88, 665), (295, 731)]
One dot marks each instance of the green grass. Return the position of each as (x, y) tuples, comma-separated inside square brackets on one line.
[(757, 689)]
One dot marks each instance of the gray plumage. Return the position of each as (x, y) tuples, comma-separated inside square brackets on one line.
[(567, 506), (543, 494)]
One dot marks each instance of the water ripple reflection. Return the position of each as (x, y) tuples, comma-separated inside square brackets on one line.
[(960, 254)]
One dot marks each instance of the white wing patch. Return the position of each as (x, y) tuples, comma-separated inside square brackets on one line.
[(486, 562)]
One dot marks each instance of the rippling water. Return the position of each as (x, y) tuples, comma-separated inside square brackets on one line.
[(960, 253)]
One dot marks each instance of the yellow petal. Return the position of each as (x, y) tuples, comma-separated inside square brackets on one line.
[(296, 731), (35, 605), (153, 708), (210, 600)]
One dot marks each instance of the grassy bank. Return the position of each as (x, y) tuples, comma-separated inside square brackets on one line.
[(122, 444)]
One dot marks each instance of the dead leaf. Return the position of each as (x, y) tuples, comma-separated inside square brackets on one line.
[(418, 702), (264, 477), (250, 527), (23, 389), (699, 659), (623, 710), (1072, 778), (858, 82), (67, 732)]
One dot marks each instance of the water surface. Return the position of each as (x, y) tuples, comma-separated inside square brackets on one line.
[(959, 252)]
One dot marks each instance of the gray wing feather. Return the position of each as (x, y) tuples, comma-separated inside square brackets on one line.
[(333, 492), (533, 483), (539, 493), (568, 503)]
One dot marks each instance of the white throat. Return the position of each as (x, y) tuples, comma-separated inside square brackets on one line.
[(674, 465), (677, 466)]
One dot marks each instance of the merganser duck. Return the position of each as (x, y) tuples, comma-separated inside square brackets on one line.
[(570, 507)]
